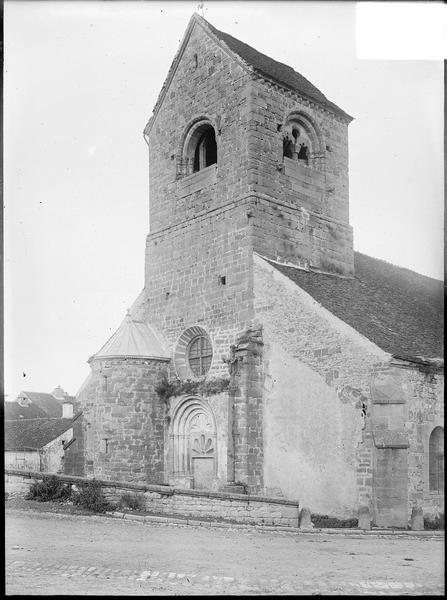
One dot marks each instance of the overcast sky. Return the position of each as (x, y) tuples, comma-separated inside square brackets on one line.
[(80, 82)]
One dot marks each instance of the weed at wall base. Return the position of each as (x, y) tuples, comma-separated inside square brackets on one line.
[(91, 497), (325, 521), (434, 522), (49, 489)]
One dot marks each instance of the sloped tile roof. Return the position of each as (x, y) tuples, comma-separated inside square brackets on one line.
[(133, 339), (51, 406), (13, 410), (279, 72), (399, 310), (34, 433)]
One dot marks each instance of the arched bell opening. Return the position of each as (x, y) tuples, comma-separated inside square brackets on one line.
[(302, 141)]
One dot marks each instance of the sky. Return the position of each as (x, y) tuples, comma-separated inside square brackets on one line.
[(80, 83)]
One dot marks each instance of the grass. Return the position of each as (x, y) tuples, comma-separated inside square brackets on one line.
[(325, 521), (89, 495), (434, 522)]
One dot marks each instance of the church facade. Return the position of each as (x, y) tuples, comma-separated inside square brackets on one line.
[(264, 355)]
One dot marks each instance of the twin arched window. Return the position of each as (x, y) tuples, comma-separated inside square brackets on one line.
[(436, 460), (302, 141)]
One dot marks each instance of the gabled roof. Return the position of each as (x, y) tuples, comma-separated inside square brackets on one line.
[(280, 72), (133, 339), (399, 310), (260, 63), (51, 406), (13, 411), (34, 433)]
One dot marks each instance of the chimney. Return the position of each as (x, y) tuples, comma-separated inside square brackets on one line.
[(67, 410), (59, 393)]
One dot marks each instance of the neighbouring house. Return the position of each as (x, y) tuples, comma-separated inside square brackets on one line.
[(37, 444), (32, 405), (262, 349)]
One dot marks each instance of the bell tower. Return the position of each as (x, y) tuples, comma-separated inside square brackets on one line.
[(245, 156)]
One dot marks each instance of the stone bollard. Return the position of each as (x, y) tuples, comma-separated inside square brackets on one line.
[(305, 521), (417, 519), (364, 518)]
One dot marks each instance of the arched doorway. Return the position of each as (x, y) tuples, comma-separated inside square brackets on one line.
[(192, 445)]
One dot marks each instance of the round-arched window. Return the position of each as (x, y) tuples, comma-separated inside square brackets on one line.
[(193, 353), (302, 141), (199, 147), (205, 153), (200, 354)]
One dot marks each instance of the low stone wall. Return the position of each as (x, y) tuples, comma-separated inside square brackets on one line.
[(166, 500)]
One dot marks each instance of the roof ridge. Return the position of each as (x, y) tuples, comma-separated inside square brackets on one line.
[(390, 264), (313, 93), (375, 303)]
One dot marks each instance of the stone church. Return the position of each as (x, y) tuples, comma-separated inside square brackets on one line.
[(263, 354)]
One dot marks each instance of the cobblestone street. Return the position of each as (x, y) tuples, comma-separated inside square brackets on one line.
[(48, 553)]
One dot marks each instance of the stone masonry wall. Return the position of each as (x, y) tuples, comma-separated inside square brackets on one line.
[(120, 405), (218, 88), (255, 510), (199, 229), (318, 372), (246, 450), (304, 212), (424, 412), (290, 233), (271, 105), (183, 285), (302, 338)]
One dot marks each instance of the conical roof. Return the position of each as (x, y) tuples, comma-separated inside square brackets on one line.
[(133, 339)]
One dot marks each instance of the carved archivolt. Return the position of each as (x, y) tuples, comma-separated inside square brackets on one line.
[(192, 435)]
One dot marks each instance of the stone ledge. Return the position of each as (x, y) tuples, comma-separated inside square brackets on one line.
[(321, 531), (390, 438), (196, 181), (164, 490)]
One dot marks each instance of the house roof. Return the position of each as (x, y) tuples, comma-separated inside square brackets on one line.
[(51, 406), (283, 74), (133, 339), (13, 411), (34, 433), (399, 310)]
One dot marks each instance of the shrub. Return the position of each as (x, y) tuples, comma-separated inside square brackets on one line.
[(50, 488), (434, 522), (132, 501), (324, 521), (91, 497), (167, 388)]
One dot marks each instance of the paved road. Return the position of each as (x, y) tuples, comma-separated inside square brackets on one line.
[(49, 553)]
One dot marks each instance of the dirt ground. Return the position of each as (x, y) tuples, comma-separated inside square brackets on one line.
[(53, 552)]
